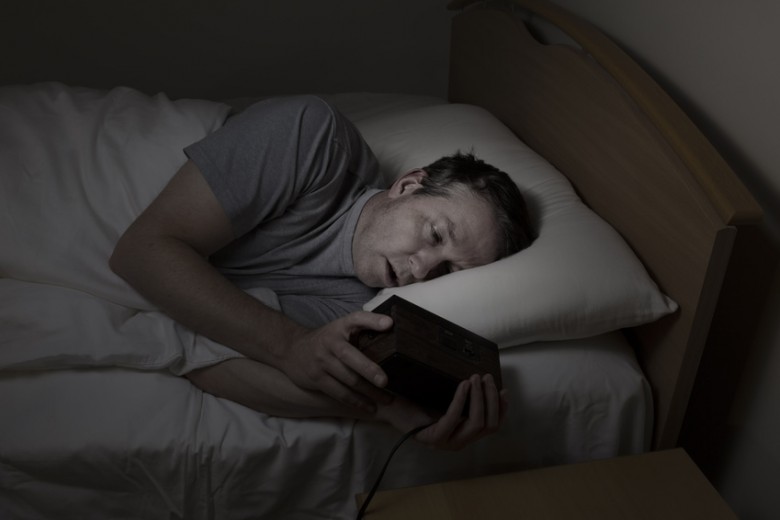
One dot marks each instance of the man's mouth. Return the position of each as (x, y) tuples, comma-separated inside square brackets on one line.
[(392, 277)]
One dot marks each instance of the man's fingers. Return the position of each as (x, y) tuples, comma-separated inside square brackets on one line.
[(368, 320), (337, 390), (324, 359), (475, 422), (375, 394), (492, 403), (477, 403), (486, 410), (448, 423), (343, 372), (351, 357), (503, 403)]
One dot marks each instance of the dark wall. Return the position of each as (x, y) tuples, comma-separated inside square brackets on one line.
[(229, 48)]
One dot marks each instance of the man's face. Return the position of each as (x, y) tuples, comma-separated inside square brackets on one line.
[(403, 238)]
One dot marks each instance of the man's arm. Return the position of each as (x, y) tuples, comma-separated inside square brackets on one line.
[(164, 255), (268, 390)]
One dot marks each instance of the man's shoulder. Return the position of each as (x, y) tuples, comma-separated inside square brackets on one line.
[(308, 104)]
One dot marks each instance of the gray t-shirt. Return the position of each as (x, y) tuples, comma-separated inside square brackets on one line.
[(293, 175)]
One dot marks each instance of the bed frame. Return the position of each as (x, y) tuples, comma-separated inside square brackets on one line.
[(632, 155), (629, 150)]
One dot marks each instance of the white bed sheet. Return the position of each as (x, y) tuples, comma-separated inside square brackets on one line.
[(95, 423), (120, 443)]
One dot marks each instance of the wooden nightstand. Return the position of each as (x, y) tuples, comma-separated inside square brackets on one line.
[(663, 485)]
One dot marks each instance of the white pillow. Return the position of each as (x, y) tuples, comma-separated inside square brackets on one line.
[(578, 279)]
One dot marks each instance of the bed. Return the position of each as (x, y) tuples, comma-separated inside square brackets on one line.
[(601, 322)]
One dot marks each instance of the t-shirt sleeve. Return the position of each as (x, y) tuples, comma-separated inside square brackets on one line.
[(263, 159)]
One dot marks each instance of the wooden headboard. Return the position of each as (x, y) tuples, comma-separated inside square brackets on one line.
[(633, 156)]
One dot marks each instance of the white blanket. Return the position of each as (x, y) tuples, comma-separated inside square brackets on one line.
[(78, 165), (48, 327)]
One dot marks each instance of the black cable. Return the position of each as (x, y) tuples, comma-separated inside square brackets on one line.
[(387, 463)]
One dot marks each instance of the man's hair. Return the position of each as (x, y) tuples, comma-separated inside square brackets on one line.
[(490, 183)]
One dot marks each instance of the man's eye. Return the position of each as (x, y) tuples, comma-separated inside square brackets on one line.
[(436, 236)]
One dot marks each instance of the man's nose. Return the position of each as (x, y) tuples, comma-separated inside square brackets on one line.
[(425, 265)]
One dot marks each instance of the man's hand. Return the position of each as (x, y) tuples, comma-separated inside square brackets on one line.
[(324, 359), (487, 410)]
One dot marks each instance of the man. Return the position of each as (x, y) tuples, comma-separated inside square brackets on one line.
[(288, 196)]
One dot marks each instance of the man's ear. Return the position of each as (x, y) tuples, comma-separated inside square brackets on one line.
[(407, 183)]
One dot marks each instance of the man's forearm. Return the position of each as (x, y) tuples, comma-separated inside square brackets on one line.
[(190, 290), (268, 390)]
